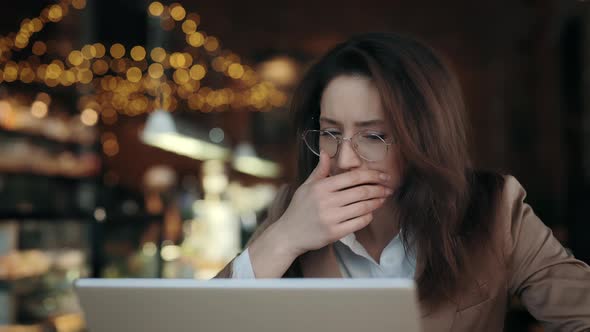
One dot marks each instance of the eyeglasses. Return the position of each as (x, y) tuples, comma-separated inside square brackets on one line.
[(368, 145)]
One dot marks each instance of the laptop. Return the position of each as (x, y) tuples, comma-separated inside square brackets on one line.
[(249, 305)]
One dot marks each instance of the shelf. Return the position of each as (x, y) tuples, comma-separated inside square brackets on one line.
[(11, 216), (46, 139), (61, 178), (49, 216)]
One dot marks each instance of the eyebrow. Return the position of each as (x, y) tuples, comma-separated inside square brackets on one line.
[(358, 124)]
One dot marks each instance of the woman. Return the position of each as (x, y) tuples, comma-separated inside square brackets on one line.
[(385, 189)]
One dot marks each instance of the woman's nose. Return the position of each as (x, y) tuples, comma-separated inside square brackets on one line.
[(347, 157)]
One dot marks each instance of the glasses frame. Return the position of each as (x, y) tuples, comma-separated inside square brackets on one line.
[(340, 140)]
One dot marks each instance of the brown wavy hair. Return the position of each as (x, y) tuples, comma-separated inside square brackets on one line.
[(443, 206)]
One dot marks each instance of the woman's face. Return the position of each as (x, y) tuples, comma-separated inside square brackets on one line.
[(351, 104)]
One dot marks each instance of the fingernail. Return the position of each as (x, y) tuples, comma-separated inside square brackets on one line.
[(384, 176)]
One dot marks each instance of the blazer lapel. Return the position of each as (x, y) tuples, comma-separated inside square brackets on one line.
[(440, 318)]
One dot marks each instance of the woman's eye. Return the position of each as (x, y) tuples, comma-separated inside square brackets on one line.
[(377, 137), (330, 132)]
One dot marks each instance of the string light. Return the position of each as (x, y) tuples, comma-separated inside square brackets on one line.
[(89, 117), (100, 50), (117, 51), (39, 109), (156, 70), (177, 12), (127, 94), (156, 8), (138, 53), (88, 52), (211, 44)]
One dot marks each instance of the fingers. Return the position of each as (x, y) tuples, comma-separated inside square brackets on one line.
[(322, 169), (353, 225), (355, 178), (359, 193), (357, 209)]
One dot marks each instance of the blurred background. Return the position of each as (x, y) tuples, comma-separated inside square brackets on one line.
[(146, 139)]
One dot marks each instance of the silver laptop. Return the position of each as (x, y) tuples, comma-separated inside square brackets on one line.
[(263, 305)]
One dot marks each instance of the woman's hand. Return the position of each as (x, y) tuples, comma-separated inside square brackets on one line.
[(324, 209)]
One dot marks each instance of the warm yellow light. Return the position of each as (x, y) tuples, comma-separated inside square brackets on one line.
[(109, 116), (43, 97), (117, 51), (100, 50), (188, 60), (85, 76), (100, 67), (39, 48), (75, 58), (177, 12), (79, 4), (21, 40), (189, 26), (177, 60), (196, 39), (10, 72), (69, 77), (197, 72), (134, 74), (55, 13), (138, 53), (41, 71), (235, 70), (211, 44), (118, 65), (59, 63), (278, 99), (156, 70), (53, 71), (37, 24), (158, 54), (27, 75), (89, 117), (280, 70), (88, 52), (110, 147), (39, 109), (156, 8), (181, 76), (218, 64)]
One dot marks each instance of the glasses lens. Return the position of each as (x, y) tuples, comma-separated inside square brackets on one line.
[(370, 146), (317, 140)]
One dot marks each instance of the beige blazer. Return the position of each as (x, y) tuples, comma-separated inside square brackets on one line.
[(523, 259)]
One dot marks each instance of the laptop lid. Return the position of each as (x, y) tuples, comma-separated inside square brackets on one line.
[(261, 305)]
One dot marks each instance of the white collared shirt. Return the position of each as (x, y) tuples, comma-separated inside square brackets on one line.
[(354, 261)]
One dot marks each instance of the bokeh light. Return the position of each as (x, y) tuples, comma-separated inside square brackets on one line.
[(197, 72), (117, 51), (134, 74), (156, 70), (138, 53), (211, 44), (158, 54), (177, 12), (39, 109), (156, 8), (89, 117)]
